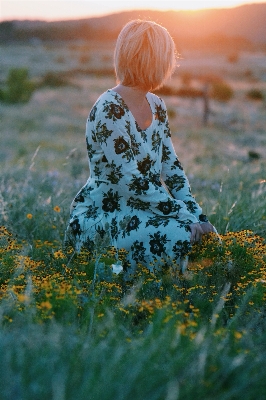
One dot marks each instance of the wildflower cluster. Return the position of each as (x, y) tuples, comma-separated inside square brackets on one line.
[(57, 284)]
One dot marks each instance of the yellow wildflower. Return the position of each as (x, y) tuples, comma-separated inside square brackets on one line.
[(238, 335), (46, 304)]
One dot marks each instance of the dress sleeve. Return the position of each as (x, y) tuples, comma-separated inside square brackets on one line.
[(111, 129), (175, 178)]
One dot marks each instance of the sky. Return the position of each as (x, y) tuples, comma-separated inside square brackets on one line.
[(50, 10)]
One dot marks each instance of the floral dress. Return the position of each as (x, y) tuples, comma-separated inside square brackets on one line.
[(137, 189)]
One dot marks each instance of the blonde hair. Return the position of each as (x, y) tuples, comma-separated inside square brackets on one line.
[(145, 55)]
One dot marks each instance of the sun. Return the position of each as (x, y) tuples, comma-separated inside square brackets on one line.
[(194, 4)]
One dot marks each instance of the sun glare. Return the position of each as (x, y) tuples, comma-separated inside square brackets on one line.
[(195, 4), (73, 9)]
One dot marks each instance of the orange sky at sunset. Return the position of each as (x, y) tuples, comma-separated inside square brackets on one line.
[(72, 9)]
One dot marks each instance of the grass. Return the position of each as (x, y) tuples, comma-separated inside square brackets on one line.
[(72, 329), (64, 335)]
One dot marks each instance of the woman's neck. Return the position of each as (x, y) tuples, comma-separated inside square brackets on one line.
[(132, 94), (136, 101)]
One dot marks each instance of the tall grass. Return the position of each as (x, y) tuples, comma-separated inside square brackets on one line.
[(166, 336), (58, 362)]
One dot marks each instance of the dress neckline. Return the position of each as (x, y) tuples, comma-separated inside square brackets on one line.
[(137, 125)]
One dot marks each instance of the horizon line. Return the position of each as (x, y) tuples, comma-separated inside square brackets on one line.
[(100, 15)]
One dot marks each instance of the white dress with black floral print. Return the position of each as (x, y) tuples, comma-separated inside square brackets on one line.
[(124, 193)]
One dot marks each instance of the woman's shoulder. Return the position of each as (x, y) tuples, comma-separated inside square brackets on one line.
[(108, 103), (156, 100), (109, 96)]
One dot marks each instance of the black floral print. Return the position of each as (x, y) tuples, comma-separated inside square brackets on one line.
[(92, 212), (167, 207), (139, 184), (90, 150), (79, 198), (160, 114), (110, 201), (157, 221), (177, 164), (165, 153), (113, 111), (75, 226), (145, 165), (115, 172), (203, 218), (138, 251), (137, 192), (114, 228), (101, 133), (101, 232), (143, 136), (167, 131), (97, 171), (176, 182), (93, 113), (138, 204), (191, 206), (157, 243), (156, 141), (120, 145), (133, 223), (155, 179), (181, 248)]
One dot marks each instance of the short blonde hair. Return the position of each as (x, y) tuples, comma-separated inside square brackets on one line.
[(145, 55)]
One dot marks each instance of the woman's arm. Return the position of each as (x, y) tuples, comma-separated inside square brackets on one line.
[(175, 178)]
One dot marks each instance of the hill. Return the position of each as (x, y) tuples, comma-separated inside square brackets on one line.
[(244, 24)]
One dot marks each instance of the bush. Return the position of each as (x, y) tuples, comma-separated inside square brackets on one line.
[(171, 113), (233, 58), (84, 58), (182, 92), (165, 91), (221, 91), (189, 92), (53, 80), (255, 94), (18, 87), (186, 78)]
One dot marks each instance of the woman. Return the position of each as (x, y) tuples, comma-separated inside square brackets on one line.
[(137, 189)]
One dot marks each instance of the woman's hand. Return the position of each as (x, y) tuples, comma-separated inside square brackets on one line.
[(198, 230), (207, 227)]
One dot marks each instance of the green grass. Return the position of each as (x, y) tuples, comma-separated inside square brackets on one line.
[(160, 337), (69, 327)]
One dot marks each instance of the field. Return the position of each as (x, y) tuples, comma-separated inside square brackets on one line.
[(72, 329)]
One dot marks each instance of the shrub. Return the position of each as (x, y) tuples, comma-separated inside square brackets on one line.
[(255, 94), (53, 79), (233, 58), (171, 113), (165, 91), (186, 78), (189, 92), (18, 87), (2, 95), (182, 92), (60, 59), (221, 91), (84, 58)]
